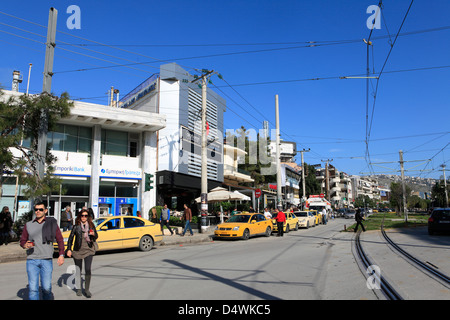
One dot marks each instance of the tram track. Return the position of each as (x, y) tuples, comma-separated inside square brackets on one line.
[(386, 288), (423, 266)]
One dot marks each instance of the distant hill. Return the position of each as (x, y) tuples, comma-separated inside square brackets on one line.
[(415, 183)]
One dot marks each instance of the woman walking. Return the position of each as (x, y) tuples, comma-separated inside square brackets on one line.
[(84, 247)]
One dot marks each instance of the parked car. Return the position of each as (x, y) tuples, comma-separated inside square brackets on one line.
[(120, 232), (317, 215), (291, 222), (305, 219), (350, 214), (439, 220), (244, 226)]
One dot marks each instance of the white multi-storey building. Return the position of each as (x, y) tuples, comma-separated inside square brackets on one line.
[(102, 153), (172, 92)]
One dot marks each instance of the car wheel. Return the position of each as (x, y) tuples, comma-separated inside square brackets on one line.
[(268, 232), (287, 228), (146, 243), (296, 226), (246, 234)]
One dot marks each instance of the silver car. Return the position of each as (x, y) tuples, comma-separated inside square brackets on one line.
[(349, 214)]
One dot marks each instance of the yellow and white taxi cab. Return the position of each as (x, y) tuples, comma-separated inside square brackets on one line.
[(244, 226), (290, 224), (305, 219), (120, 232)]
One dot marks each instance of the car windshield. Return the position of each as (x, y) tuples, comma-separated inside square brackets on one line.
[(351, 211), (301, 214), (98, 221), (441, 213), (242, 218)]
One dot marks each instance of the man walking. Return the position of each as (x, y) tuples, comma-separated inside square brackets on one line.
[(164, 219), (359, 219), (37, 237), (281, 219), (187, 219)]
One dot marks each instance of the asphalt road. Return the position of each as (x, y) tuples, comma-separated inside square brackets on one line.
[(313, 264)]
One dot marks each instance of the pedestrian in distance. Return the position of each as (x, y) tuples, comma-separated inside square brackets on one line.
[(83, 239), (91, 213), (37, 237), (154, 216), (187, 216), (267, 214), (164, 219), (280, 219), (359, 219), (66, 219), (6, 224), (324, 216)]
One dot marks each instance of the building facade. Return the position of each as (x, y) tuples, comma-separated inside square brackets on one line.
[(102, 154), (174, 92)]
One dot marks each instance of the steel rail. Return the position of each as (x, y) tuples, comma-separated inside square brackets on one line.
[(385, 287), (441, 276)]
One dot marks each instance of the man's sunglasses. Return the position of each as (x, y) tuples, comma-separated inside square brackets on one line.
[(39, 209)]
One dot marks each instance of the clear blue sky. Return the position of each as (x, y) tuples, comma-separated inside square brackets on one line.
[(261, 48)]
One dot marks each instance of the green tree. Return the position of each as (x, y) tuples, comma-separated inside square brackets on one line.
[(396, 199), (438, 193), (312, 185), (20, 119)]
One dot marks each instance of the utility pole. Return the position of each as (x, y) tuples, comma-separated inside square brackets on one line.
[(403, 185), (204, 178), (327, 183), (29, 75), (303, 177), (46, 88), (278, 163), (445, 186)]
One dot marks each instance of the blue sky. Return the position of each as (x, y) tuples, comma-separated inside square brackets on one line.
[(262, 49)]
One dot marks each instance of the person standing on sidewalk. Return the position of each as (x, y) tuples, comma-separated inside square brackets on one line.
[(187, 219), (164, 219), (84, 248), (6, 224), (66, 219), (37, 237), (359, 219), (281, 219)]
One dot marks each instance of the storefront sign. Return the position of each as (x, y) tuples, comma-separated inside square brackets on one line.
[(121, 173), (66, 170)]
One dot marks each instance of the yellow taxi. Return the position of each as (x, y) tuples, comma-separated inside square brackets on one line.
[(244, 225), (317, 215), (120, 232), (306, 219), (291, 222)]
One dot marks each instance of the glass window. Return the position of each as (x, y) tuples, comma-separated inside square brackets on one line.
[(133, 222), (84, 139), (114, 143), (70, 138)]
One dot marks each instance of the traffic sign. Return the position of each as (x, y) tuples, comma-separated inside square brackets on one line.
[(257, 193)]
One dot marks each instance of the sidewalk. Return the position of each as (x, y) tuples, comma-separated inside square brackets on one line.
[(13, 251)]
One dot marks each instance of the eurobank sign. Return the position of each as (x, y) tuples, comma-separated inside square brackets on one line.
[(105, 172), (121, 173)]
